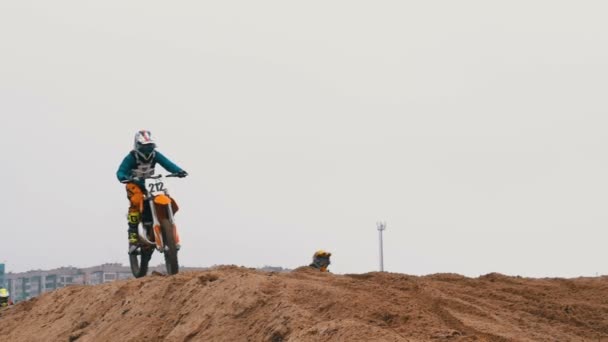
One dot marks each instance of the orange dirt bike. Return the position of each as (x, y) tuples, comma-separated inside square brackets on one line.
[(161, 232)]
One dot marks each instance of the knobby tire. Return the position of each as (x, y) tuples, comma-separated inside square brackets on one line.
[(170, 247), (139, 263)]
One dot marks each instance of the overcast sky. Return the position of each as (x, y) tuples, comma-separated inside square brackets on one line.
[(476, 129)]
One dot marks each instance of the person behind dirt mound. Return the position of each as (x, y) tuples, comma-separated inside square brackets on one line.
[(5, 299), (320, 260), (140, 163)]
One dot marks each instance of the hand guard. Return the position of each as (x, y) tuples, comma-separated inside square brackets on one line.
[(129, 180)]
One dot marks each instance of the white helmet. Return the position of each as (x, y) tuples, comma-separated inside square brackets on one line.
[(144, 145)]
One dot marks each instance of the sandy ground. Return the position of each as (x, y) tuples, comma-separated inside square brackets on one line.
[(240, 304)]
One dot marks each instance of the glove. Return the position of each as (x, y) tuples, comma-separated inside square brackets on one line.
[(182, 174)]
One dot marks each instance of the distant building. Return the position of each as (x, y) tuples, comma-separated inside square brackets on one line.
[(274, 269), (26, 285)]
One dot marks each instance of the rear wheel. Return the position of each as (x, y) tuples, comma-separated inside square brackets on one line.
[(139, 262), (170, 247)]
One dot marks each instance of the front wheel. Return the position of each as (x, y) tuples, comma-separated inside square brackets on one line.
[(170, 247), (139, 262)]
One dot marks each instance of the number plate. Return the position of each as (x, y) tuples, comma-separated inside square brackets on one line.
[(155, 186)]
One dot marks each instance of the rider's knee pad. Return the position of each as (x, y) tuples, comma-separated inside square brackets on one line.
[(133, 217)]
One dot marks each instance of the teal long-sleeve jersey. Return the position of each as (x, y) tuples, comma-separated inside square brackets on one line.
[(131, 164)]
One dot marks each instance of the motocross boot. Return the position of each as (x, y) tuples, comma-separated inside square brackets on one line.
[(133, 238)]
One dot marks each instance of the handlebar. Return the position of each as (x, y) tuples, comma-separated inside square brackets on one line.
[(135, 179)]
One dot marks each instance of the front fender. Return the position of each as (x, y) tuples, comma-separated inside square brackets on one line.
[(162, 200)]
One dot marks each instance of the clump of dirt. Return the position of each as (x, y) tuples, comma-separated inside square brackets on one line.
[(240, 304)]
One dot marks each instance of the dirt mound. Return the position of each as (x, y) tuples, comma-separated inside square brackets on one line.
[(241, 304)]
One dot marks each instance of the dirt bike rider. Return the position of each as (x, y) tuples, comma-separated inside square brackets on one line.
[(5, 299), (320, 260), (140, 163)]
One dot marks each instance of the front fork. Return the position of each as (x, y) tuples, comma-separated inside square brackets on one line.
[(158, 236)]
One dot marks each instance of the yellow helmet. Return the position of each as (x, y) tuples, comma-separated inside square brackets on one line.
[(4, 293), (320, 260), (321, 254)]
